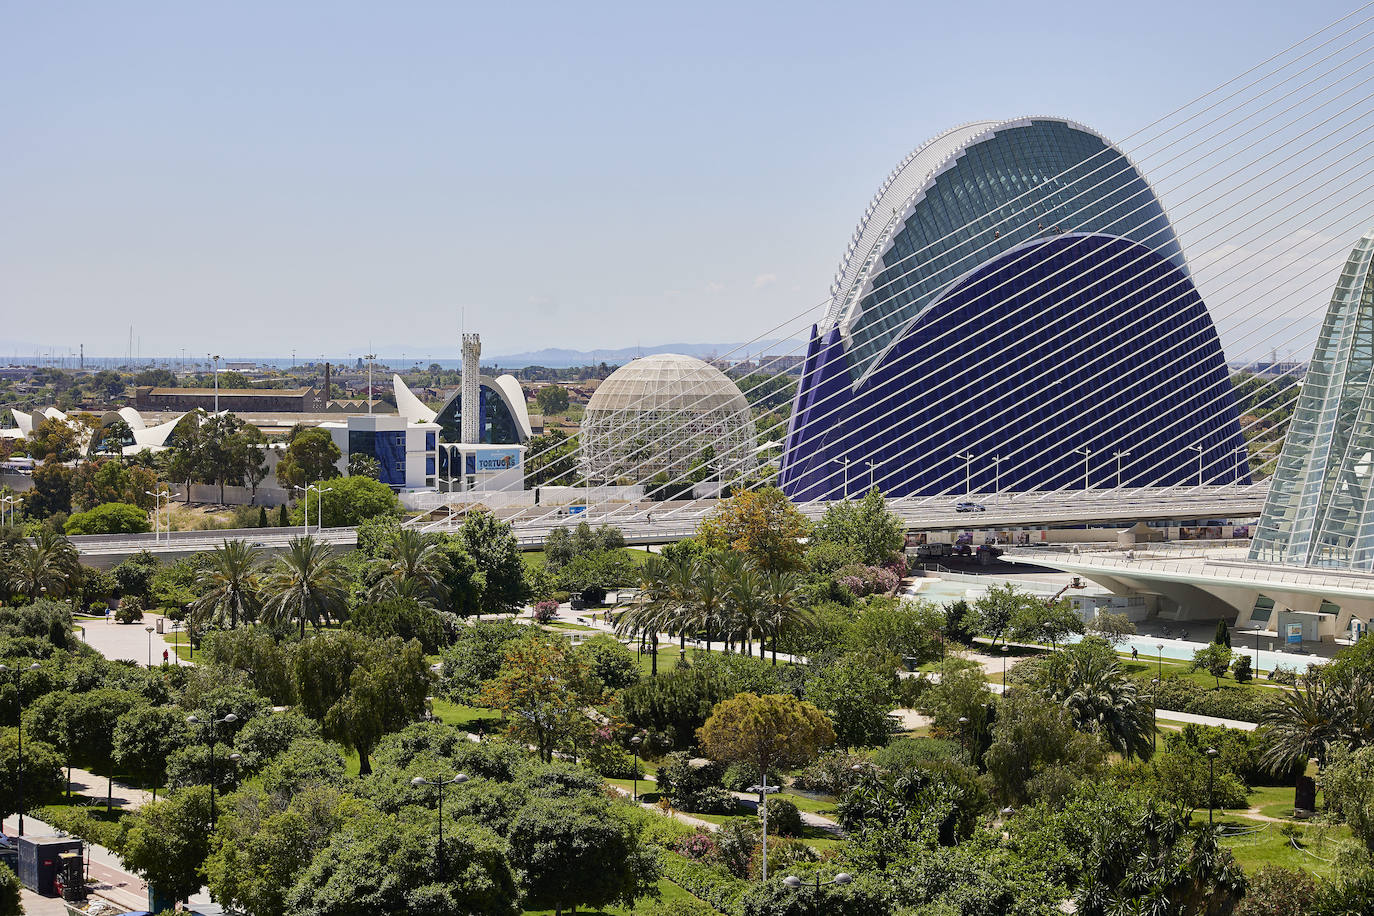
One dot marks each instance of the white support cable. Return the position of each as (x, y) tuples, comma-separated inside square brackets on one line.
[(1030, 191), (1292, 155)]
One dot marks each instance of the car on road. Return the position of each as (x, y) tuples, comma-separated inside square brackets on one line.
[(966, 506)]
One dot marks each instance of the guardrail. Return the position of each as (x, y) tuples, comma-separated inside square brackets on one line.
[(1276, 575)]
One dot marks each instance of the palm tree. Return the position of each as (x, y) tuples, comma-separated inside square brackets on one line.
[(231, 586), (412, 566), (681, 599), (652, 608), (782, 594), (308, 582), (1301, 726), (1103, 700), (44, 566), (708, 598), (743, 588)]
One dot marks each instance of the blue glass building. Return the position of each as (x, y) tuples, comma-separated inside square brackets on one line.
[(1014, 312)]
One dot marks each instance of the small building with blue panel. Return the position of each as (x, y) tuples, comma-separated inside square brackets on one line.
[(1013, 313)]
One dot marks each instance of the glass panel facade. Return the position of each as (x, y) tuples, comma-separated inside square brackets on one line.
[(389, 448), (497, 425), (1319, 511), (1023, 183)]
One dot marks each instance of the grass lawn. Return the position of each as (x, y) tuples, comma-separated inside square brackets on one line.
[(825, 807), (668, 891), (1269, 846), (451, 713)]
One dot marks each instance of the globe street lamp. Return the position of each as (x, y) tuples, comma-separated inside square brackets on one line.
[(796, 883), (229, 719), (1159, 648), (19, 760), (1211, 760), (150, 646), (1154, 713), (1006, 650), (441, 785)]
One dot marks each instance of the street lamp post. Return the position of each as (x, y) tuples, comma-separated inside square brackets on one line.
[(229, 719), (997, 474), (160, 498), (796, 883), (7, 503), (1154, 714), (319, 504), (637, 740), (1006, 650), (150, 646), (963, 733), (1199, 450), (216, 359), (1086, 453), (967, 458), (1119, 455), (871, 467), (441, 785), (1159, 648), (19, 759), (1211, 759)]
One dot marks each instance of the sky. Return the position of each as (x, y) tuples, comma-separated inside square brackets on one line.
[(328, 178)]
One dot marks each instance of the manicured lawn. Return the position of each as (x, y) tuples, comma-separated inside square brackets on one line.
[(1269, 846), (451, 713), (669, 892), (825, 807)]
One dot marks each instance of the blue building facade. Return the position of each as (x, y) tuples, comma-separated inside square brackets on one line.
[(1014, 313)]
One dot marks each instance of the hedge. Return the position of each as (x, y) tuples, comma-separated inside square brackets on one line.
[(722, 891), (91, 825), (1181, 695)]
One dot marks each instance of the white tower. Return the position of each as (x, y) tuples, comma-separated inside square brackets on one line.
[(471, 396)]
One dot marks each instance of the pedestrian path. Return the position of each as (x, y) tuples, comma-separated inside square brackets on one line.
[(103, 867), (129, 641), (90, 785)]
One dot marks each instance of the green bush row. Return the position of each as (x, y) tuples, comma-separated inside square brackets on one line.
[(89, 825), (1182, 695), (724, 892)]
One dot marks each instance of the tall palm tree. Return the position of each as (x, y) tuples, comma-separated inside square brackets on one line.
[(681, 611), (1302, 726), (743, 591), (782, 595), (413, 566), (708, 598), (231, 586), (307, 583), (1103, 700), (652, 609), (44, 566)]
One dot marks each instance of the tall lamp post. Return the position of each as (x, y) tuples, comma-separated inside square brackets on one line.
[(1087, 454), (150, 646), (19, 759), (997, 474), (796, 883), (229, 719), (844, 461), (1159, 648), (7, 504), (1199, 450), (319, 504), (216, 359), (967, 459), (1211, 760), (1119, 455), (1154, 714), (441, 785), (1006, 650), (636, 741), (160, 498)]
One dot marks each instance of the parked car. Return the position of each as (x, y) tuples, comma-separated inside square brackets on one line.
[(966, 506)]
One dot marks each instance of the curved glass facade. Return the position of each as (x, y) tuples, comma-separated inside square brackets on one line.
[(991, 391), (1015, 182), (1320, 509), (496, 427)]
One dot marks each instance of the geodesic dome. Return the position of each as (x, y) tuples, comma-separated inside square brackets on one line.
[(660, 414)]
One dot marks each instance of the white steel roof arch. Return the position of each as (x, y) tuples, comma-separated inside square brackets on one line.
[(900, 193)]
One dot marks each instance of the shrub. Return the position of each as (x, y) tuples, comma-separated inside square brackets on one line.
[(130, 609), (545, 611), (714, 800), (696, 846), (783, 852), (831, 773), (10, 897), (1182, 695), (784, 818), (109, 518), (1242, 670), (1282, 674), (87, 822), (718, 888), (905, 753)]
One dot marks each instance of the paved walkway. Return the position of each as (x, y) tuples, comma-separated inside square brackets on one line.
[(91, 785), (130, 641), (104, 868)]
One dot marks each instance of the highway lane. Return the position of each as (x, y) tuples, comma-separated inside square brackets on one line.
[(646, 524)]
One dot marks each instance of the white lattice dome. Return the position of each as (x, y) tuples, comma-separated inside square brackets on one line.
[(666, 413)]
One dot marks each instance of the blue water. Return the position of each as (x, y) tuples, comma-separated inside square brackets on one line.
[(1182, 650)]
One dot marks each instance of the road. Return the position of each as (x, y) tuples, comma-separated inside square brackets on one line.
[(647, 523)]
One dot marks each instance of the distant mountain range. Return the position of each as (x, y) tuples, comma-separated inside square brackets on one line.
[(556, 358)]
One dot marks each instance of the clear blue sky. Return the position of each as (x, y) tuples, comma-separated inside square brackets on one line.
[(253, 177)]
